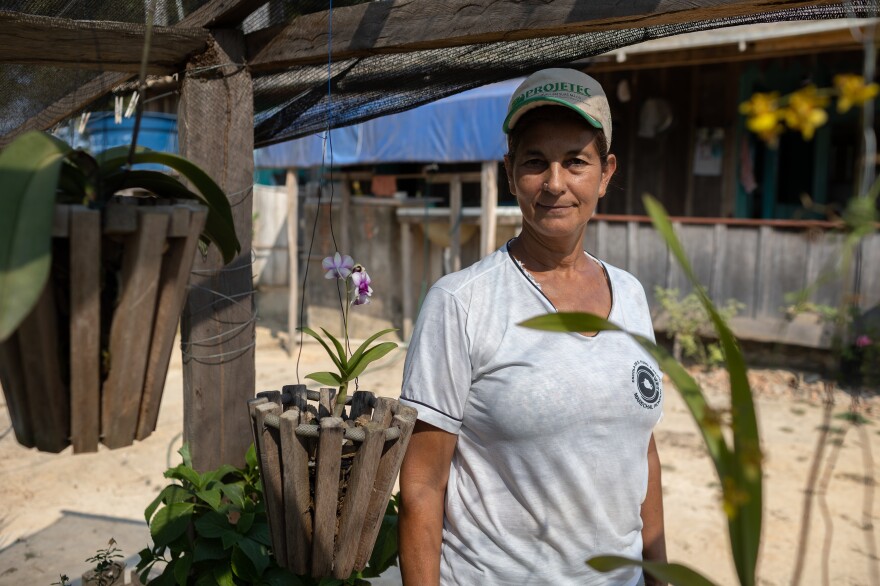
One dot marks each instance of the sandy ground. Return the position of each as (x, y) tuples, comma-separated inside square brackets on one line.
[(56, 510)]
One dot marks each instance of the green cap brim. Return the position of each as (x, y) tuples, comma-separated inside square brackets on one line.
[(550, 102)]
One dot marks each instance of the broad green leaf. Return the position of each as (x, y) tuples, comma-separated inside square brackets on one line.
[(340, 350), (355, 357), (742, 486), (259, 532), (166, 578), (208, 549), (212, 497), (281, 577), (250, 457), (170, 522), (674, 574), (181, 569), (172, 493), (318, 337), (222, 225), (115, 154), (245, 522), (371, 355), (213, 524), (223, 575), (219, 473), (256, 553), (29, 171), (326, 378), (230, 538), (155, 182), (186, 454), (235, 494), (185, 474)]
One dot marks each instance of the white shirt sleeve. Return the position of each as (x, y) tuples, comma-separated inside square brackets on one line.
[(437, 374)]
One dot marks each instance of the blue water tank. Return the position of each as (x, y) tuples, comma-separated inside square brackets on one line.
[(157, 132)]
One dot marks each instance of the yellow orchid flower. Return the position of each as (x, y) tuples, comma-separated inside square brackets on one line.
[(853, 91), (763, 115), (806, 111)]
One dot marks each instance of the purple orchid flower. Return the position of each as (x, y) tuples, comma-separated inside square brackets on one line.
[(863, 341), (362, 291), (337, 266)]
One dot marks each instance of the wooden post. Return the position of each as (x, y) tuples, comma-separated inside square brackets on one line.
[(217, 326), (292, 257), (488, 204), (455, 221)]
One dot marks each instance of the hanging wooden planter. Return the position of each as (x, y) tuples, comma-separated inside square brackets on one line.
[(327, 480), (125, 268)]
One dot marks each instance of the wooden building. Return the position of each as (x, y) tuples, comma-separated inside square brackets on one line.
[(679, 136)]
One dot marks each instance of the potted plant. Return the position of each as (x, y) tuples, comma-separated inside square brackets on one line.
[(213, 528), (92, 285), (328, 468)]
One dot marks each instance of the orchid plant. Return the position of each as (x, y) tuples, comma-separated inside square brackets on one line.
[(350, 365)]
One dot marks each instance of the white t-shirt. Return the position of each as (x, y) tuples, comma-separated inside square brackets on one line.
[(550, 467)]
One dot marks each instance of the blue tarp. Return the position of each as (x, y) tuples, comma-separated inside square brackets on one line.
[(462, 128)]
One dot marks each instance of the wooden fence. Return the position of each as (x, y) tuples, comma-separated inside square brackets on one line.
[(756, 262)]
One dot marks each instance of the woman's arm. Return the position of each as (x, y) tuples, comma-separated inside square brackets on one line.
[(653, 533), (423, 478)]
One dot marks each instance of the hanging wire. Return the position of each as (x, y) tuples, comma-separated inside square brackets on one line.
[(142, 80), (328, 143)]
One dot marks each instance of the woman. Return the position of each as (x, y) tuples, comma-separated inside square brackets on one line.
[(534, 450)]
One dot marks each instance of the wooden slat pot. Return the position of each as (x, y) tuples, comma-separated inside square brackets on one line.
[(51, 367), (326, 484)]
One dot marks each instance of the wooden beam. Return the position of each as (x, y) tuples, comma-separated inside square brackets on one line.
[(217, 11), (488, 205), (838, 40), (401, 26), (217, 325), (100, 45), (221, 13)]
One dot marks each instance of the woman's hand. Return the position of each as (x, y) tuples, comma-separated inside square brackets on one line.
[(423, 478), (653, 532)]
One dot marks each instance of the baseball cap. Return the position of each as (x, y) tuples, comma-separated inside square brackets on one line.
[(561, 87)]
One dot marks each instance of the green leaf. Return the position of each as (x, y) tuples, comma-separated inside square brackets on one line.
[(213, 524), (371, 355), (170, 522), (326, 378), (29, 172), (220, 473), (219, 225), (250, 457), (185, 453), (213, 497), (256, 554), (259, 532), (245, 522), (674, 574), (182, 568), (356, 356), (235, 494), (186, 475), (208, 549), (223, 575), (281, 577), (743, 485), (340, 351), (230, 538), (173, 493), (330, 353)]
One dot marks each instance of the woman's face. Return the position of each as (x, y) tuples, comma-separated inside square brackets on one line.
[(557, 176)]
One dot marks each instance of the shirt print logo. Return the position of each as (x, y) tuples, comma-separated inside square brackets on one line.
[(647, 383)]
